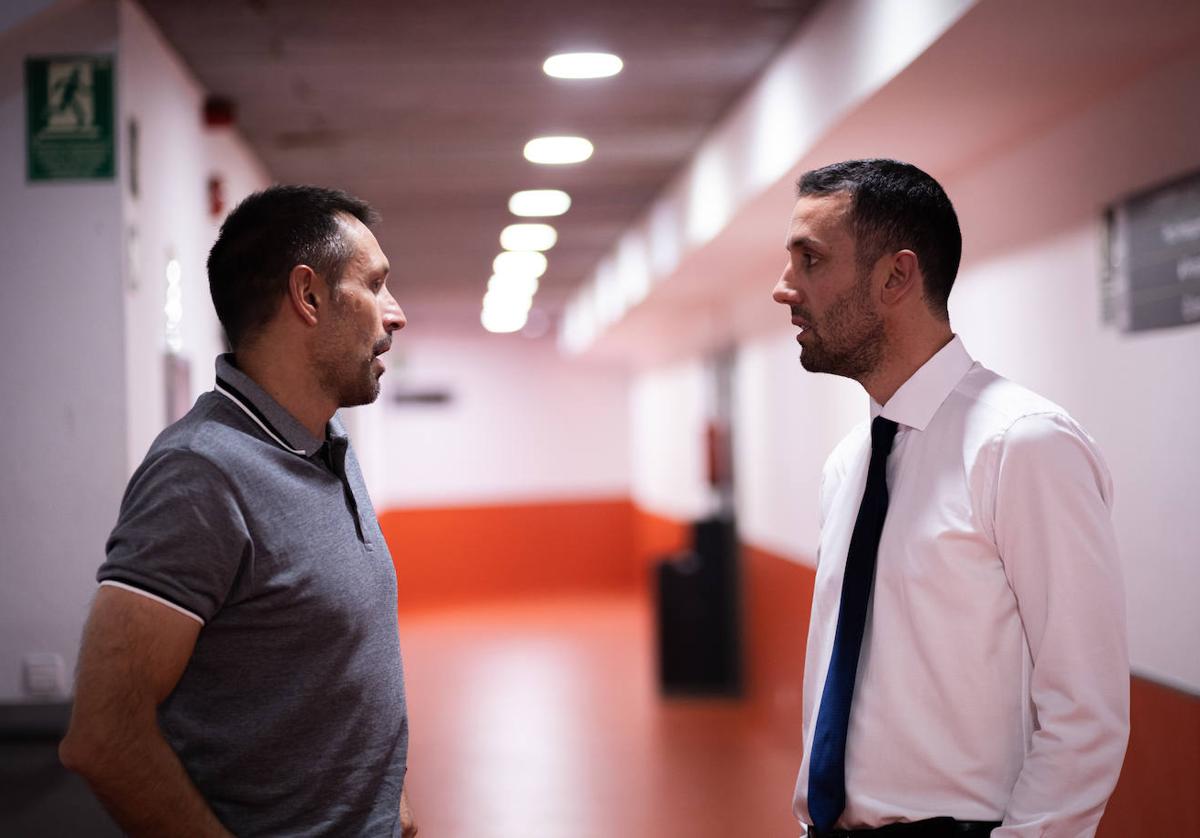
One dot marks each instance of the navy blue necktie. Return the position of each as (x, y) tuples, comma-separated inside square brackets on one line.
[(827, 757)]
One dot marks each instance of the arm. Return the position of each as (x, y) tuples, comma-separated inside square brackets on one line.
[(134, 651), (408, 824), (1053, 529)]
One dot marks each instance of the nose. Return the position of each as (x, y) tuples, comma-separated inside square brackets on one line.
[(785, 291), (393, 316)]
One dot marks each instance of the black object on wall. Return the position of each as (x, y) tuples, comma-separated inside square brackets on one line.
[(699, 638)]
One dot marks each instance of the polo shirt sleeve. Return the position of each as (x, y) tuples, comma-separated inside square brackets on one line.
[(181, 537)]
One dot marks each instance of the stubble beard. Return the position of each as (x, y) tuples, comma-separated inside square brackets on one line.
[(850, 340), (351, 382), (344, 373)]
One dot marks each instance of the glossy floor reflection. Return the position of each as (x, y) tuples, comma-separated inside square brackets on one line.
[(541, 720)]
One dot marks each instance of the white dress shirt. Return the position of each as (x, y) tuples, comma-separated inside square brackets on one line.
[(993, 682)]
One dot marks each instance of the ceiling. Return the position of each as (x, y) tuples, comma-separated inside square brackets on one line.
[(423, 107), (1019, 86)]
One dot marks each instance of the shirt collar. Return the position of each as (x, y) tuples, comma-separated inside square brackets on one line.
[(919, 398), (267, 413)]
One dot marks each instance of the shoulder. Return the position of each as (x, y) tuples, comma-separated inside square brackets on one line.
[(997, 412), (992, 401), (1027, 439), (214, 431), (197, 449)]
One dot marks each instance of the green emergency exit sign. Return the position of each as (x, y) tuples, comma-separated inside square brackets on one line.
[(69, 117)]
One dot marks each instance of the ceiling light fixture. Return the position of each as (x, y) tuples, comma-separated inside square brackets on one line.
[(499, 301), (557, 151), (514, 284), (503, 322), (528, 237), (520, 263), (582, 65), (505, 310), (534, 203)]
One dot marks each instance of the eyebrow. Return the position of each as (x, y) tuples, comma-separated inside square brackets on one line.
[(799, 242)]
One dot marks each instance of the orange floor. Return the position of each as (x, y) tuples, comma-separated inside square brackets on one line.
[(541, 720)]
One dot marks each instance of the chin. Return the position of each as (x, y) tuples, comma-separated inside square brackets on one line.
[(812, 363), (364, 394)]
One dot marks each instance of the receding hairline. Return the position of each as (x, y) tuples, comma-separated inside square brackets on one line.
[(352, 230)]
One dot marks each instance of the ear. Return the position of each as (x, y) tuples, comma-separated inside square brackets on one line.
[(903, 278), (306, 294)]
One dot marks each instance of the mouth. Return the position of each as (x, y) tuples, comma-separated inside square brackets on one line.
[(802, 324), (380, 348)]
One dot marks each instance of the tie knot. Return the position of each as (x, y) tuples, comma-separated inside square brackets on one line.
[(883, 433)]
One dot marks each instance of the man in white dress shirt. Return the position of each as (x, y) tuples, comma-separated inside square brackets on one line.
[(991, 691)]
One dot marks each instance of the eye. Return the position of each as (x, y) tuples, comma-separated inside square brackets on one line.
[(808, 259)]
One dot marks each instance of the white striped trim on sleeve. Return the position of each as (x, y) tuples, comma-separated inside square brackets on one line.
[(114, 584)]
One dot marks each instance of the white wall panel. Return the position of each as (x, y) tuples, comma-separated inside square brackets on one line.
[(669, 409), (522, 424), (62, 369), (787, 421), (83, 320)]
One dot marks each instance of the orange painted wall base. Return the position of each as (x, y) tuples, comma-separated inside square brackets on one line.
[(447, 556), (1157, 791), (451, 556)]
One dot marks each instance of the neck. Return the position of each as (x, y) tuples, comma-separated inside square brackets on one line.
[(291, 385), (902, 357)]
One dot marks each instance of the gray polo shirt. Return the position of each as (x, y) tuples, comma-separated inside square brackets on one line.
[(290, 715)]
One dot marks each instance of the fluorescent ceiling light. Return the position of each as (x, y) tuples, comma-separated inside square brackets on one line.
[(582, 65), (528, 237), (521, 263), (503, 322), (513, 284), (558, 150), (503, 303), (504, 312), (539, 202)]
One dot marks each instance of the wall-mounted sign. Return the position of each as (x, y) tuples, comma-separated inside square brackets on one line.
[(1153, 279), (69, 117)]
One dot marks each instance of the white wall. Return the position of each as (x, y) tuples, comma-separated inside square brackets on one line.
[(1027, 305), (61, 369), (669, 409), (1030, 309), (170, 218), (83, 323), (786, 422), (523, 425)]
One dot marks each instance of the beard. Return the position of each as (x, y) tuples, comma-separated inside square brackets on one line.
[(345, 367), (351, 379), (850, 339)]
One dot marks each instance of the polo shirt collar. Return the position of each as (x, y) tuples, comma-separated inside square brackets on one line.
[(918, 399), (267, 413)]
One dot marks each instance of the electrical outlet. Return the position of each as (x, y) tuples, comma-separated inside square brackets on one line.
[(45, 676)]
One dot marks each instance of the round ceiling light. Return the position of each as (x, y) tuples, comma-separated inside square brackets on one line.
[(503, 322), (582, 65), (516, 285), (557, 151), (528, 237), (521, 263), (543, 203)]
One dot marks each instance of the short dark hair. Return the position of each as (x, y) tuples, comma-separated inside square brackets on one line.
[(266, 236), (896, 206)]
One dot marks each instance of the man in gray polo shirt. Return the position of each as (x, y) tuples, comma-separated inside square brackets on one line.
[(240, 670)]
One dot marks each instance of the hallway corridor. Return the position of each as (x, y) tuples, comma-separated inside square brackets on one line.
[(541, 720)]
